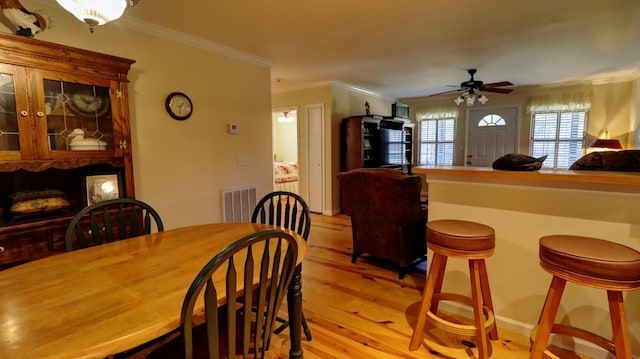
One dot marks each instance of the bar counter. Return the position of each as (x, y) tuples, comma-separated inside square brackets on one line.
[(524, 206)]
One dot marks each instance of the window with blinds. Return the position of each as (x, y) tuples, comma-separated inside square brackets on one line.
[(394, 148), (560, 135), (436, 141)]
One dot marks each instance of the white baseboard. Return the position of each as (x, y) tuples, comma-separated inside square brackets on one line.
[(332, 212), (521, 328)]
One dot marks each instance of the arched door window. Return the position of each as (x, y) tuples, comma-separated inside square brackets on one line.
[(492, 120)]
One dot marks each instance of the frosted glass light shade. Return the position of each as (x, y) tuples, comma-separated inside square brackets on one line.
[(470, 100), (94, 12)]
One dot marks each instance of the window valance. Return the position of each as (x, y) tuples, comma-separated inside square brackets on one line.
[(442, 110), (579, 100)]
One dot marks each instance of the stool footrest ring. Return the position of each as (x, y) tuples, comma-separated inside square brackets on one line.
[(456, 328), (574, 332)]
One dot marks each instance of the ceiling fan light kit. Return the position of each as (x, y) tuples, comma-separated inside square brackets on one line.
[(469, 89)]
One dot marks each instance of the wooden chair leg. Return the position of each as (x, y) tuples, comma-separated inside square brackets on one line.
[(437, 266), (478, 313), (438, 287), (486, 295), (305, 328), (547, 317), (619, 325)]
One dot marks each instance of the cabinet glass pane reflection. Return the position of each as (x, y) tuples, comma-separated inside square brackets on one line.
[(78, 116), (9, 136)]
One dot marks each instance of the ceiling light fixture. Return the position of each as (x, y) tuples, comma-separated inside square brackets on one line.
[(286, 117), (96, 12), (470, 98)]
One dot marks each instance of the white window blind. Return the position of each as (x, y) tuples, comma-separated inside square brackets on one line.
[(560, 135), (395, 151), (436, 141)]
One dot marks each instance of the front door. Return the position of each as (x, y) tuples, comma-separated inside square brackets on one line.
[(491, 133)]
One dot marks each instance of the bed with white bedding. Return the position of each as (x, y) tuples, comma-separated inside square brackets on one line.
[(286, 176)]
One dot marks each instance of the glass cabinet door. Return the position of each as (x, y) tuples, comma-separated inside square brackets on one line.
[(9, 134), (14, 123), (78, 116)]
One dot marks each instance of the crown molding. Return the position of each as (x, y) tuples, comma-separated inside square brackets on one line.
[(335, 83), (623, 76), (197, 42), (299, 87)]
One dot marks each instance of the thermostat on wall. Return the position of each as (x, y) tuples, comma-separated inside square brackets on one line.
[(233, 128)]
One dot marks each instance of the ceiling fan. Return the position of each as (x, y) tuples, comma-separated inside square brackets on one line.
[(474, 85)]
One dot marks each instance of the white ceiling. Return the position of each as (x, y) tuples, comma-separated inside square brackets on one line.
[(412, 48)]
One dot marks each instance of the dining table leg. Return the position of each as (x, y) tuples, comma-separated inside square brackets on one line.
[(294, 304)]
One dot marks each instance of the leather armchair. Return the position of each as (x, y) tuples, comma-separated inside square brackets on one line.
[(387, 219)]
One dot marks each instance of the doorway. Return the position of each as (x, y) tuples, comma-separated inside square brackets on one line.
[(491, 133), (286, 175)]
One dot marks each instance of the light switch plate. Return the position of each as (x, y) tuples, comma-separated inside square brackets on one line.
[(233, 128)]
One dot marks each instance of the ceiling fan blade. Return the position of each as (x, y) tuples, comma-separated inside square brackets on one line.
[(497, 90), (498, 84), (442, 93)]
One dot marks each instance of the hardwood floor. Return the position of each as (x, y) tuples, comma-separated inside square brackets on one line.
[(363, 310)]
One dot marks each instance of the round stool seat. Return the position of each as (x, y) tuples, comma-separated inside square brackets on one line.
[(460, 236), (591, 262), (597, 261)]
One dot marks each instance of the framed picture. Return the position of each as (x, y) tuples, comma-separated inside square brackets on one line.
[(102, 187)]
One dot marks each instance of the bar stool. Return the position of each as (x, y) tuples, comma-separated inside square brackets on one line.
[(463, 240), (595, 263)]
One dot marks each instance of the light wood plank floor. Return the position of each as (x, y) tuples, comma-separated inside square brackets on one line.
[(363, 310)]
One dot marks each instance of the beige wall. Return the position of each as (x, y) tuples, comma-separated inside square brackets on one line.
[(285, 148), (181, 167), (613, 109)]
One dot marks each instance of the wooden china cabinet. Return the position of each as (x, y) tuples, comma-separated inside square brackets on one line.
[(64, 115)]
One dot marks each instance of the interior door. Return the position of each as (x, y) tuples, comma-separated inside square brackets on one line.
[(315, 138), (491, 133)]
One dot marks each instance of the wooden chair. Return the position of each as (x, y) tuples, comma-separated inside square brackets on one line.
[(287, 210), (234, 329), (110, 220)]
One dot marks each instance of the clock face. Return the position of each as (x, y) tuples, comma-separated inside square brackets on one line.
[(179, 106)]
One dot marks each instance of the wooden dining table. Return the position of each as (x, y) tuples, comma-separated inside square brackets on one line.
[(103, 300)]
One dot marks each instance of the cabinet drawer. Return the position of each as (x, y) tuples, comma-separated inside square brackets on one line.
[(23, 247), (57, 238)]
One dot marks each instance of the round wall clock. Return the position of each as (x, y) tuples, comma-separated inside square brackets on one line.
[(179, 106)]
